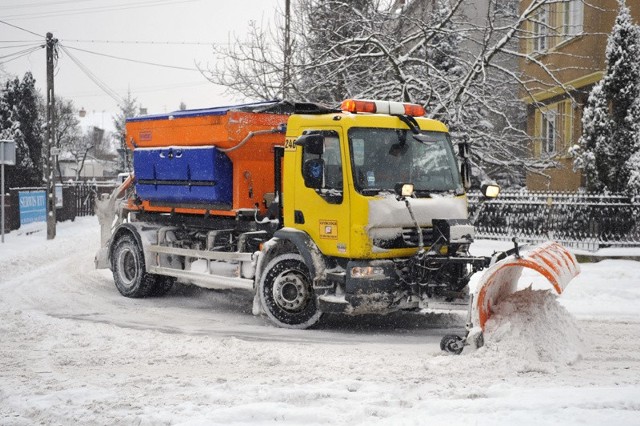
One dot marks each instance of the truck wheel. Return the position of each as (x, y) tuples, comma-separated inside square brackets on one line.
[(129, 269), (286, 293), (452, 344)]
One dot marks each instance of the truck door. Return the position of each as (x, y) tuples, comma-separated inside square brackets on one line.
[(321, 206)]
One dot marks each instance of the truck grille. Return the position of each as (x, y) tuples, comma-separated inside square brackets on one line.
[(410, 236), (407, 239)]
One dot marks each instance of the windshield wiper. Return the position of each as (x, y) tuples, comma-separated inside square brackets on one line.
[(370, 191), (423, 193), (435, 191), (425, 139)]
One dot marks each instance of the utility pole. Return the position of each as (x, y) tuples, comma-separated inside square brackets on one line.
[(50, 149), (286, 69)]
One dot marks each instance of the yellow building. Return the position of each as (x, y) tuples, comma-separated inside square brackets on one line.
[(566, 40)]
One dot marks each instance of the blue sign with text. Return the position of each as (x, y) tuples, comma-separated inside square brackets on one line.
[(33, 206)]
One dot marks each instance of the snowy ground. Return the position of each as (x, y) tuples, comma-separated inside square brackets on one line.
[(73, 350)]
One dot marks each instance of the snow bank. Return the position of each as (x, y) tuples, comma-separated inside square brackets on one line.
[(531, 325)]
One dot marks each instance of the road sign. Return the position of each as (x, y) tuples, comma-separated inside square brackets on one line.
[(33, 206), (8, 152)]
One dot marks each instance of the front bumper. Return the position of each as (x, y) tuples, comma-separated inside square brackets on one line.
[(366, 287), (382, 286)]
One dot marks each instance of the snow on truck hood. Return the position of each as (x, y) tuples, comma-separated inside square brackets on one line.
[(388, 212)]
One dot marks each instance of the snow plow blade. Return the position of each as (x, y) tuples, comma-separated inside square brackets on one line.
[(550, 259)]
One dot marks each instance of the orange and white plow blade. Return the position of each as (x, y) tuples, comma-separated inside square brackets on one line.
[(550, 259)]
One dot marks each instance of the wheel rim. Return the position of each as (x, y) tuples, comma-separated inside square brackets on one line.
[(291, 291), (127, 267), (452, 344)]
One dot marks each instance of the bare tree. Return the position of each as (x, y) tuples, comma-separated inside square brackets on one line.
[(79, 148), (67, 130), (414, 53)]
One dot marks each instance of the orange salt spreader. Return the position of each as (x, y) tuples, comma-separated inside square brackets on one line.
[(219, 157)]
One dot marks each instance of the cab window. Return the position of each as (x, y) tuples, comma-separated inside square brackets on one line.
[(332, 184)]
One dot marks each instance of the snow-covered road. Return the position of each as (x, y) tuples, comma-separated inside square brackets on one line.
[(73, 350)]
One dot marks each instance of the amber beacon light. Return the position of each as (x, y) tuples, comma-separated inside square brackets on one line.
[(382, 107)]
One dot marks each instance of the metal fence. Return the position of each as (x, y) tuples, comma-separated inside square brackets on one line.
[(85, 195), (581, 220)]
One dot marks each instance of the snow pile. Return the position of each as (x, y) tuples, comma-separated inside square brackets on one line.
[(532, 326)]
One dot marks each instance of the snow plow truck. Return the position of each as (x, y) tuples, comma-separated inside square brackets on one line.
[(357, 209)]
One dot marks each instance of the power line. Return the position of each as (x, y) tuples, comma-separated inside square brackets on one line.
[(17, 41), (134, 60), (97, 9), (146, 89), (93, 77), (19, 54), (23, 29), (27, 5), (179, 43), (23, 55), (15, 46)]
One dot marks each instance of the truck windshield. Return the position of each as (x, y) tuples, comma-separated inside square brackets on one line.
[(383, 157)]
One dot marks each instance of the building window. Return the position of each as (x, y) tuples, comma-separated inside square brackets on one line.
[(555, 22), (541, 29), (554, 129), (549, 131), (573, 14)]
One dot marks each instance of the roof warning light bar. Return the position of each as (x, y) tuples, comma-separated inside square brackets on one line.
[(382, 107)]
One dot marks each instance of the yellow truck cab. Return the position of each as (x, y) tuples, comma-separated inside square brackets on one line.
[(356, 237), (351, 210)]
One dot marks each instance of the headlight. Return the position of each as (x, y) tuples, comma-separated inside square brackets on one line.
[(367, 272), (490, 190)]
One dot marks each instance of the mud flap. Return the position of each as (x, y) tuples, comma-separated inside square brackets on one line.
[(550, 259)]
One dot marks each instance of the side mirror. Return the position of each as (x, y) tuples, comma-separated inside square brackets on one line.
[(313, 173), (490, 190), (465, 173), (313, 144)]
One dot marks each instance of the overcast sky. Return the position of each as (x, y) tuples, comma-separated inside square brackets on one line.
[(159, 89)]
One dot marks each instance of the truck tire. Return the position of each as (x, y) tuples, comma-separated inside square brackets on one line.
[(286, 293), (129, 272)]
